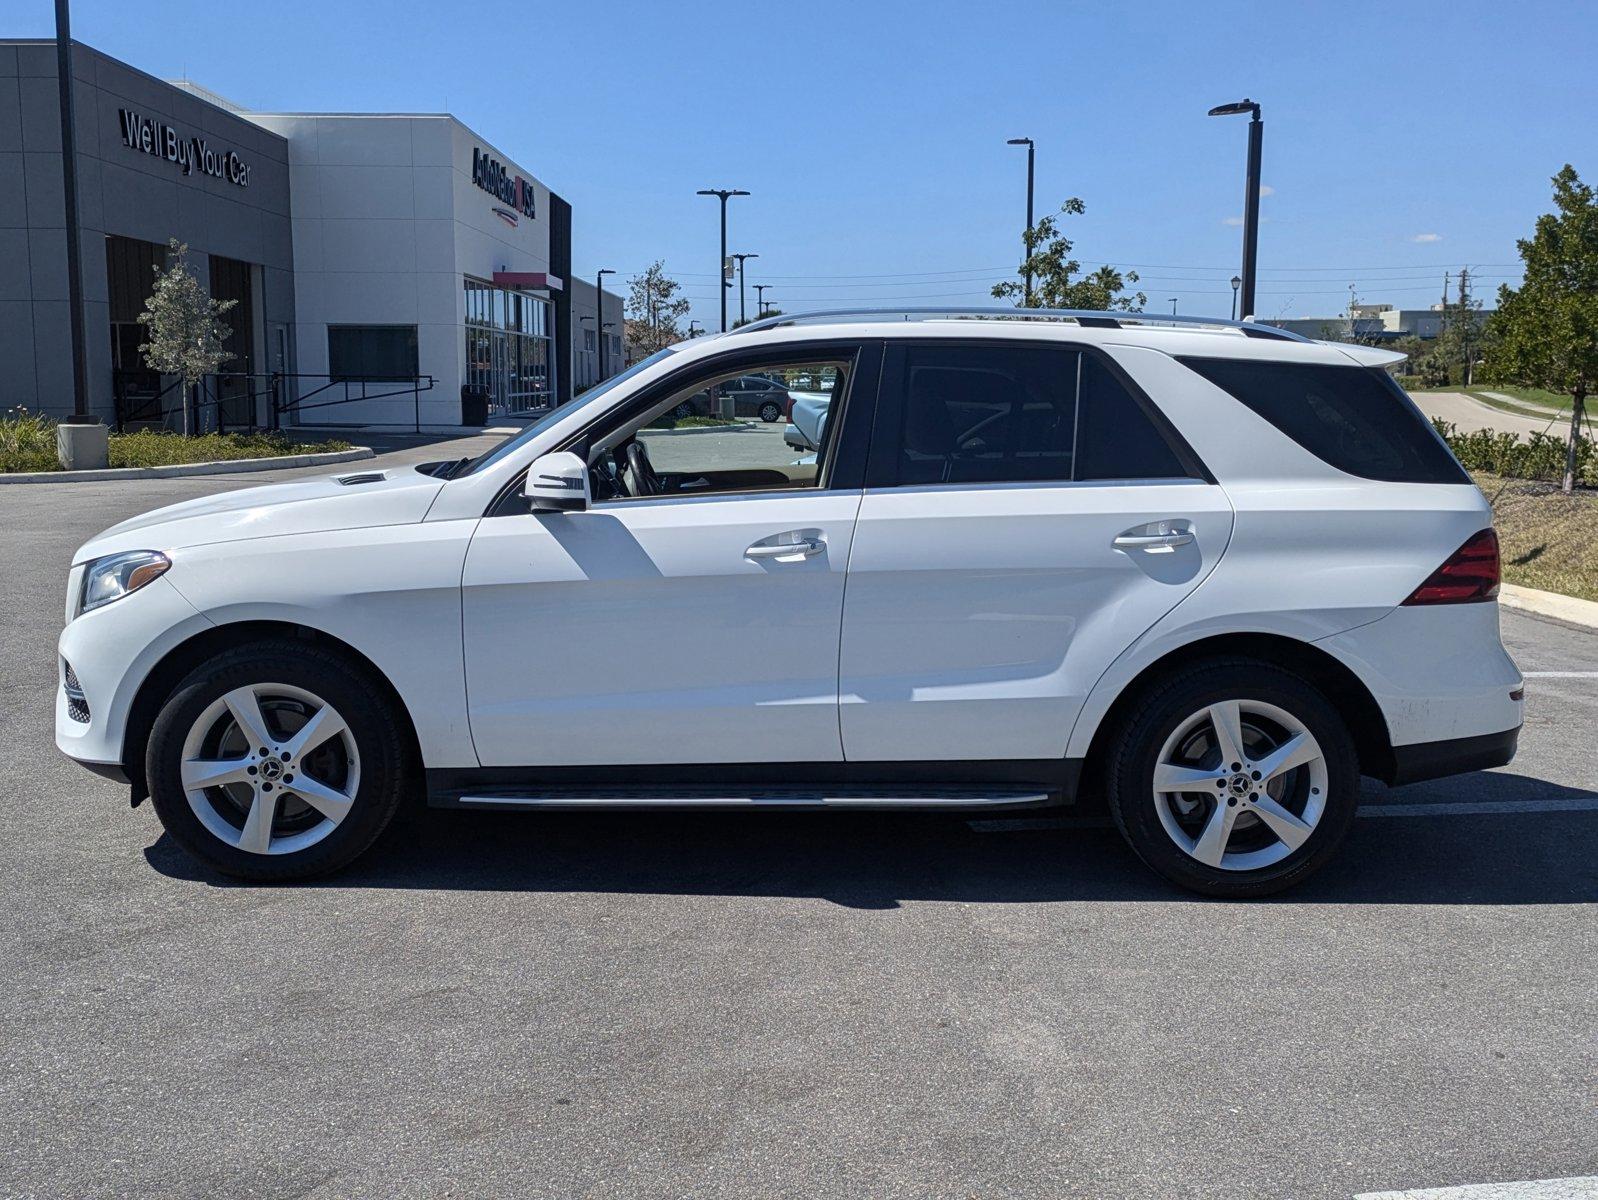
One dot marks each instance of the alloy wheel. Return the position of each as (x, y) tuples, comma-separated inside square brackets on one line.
[(270, 768), (1240, 784)]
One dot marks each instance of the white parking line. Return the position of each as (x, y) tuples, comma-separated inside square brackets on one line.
[(1560, 674), (1481, 808), (1582, 1188)]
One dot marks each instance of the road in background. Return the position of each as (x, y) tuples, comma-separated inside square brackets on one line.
[(1470, 414), (735, 1005)]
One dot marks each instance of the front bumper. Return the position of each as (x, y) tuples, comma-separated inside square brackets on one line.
[(112, 651)]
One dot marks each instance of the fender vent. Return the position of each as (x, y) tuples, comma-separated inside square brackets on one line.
[(364, 477)]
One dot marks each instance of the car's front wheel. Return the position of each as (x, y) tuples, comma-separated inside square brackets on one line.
[(276, 761), (771, 412), (1233, 778)]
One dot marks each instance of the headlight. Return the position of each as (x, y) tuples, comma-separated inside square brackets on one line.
[(116, 575)]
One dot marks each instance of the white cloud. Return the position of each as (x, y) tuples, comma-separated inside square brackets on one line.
[(1233, 221), (1267, 190), (1427, 237)]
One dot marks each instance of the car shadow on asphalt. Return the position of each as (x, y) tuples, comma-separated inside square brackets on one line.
[(880, 860)]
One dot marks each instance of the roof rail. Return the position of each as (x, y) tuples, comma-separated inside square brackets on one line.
[(1085, 317)]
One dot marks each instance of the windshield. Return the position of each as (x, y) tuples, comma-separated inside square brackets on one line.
[(511, 444)]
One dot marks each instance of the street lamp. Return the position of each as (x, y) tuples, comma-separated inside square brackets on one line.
[(69, 191), (1173, 306), (1026, 240), (599, 307), (760, 299), (742, 317), (1251, 194), (1236, 283), (724, 194), (692, 332)]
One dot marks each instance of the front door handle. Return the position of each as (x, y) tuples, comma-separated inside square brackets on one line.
[(1156, 536), (803, 547)]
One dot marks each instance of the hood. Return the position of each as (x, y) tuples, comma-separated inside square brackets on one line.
[(346, 500)]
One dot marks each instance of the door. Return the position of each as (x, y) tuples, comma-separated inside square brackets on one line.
[(692, 619), (1028, 514)]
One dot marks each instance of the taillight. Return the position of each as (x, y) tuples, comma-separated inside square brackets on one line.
[(1471, 573)]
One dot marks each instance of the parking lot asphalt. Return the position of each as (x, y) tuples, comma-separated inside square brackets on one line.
[(752, 1005)]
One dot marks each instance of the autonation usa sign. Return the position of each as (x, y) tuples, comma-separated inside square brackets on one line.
[(149, 136), (490, 174)]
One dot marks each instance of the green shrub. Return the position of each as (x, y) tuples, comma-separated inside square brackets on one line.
[(27, 441), (1541, 456), (156, 448)]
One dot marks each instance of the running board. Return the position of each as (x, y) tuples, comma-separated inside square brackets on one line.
[(799, 798)]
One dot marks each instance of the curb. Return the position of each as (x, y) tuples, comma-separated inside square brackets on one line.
[(178, 470), (1550, 604)]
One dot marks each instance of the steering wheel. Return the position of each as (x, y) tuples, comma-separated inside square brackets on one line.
[(641, 477)]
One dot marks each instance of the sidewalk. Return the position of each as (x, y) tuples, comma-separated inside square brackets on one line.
[(1470, 414)]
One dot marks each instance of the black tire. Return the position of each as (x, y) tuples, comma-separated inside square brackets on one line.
[(771, 412), (1162, 709), (380, 735)]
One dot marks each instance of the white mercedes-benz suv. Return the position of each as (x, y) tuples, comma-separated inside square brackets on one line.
[(1206, 574)]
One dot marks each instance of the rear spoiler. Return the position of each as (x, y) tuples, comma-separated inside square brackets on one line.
[(1369, 356)]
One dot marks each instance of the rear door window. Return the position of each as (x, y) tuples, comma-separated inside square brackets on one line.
[(1022, 413), (1356, 419)]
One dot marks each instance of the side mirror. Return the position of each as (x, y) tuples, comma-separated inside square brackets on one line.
[(558, 483)]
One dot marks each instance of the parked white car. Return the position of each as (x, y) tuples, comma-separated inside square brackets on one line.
[(1207, 574)]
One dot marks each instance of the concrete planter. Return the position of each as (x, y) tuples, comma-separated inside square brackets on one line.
[(82, 446)]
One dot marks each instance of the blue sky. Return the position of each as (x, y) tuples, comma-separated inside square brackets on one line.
[(1401, 140)]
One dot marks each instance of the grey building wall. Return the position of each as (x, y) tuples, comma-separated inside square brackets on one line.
[(123, 191), (585, 361)]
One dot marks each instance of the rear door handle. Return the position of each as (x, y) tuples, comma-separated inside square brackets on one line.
[(1157, 535), (804, 547)]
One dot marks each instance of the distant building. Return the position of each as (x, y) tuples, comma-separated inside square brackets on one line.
[(1381, 322)]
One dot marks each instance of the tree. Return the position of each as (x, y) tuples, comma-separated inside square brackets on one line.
[(653, 309), (183, 325), (1545, 332), (1056, 278), (770, 312)]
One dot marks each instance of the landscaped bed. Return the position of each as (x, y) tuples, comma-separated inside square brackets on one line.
[(27, 443), (1548, 540)]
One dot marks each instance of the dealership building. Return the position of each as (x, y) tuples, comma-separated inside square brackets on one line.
[(385, 269)]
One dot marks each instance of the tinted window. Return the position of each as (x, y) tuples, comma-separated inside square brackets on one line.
[(1116, 438), (371, 351), (1008, 413), (980, 414), (1355, 418)]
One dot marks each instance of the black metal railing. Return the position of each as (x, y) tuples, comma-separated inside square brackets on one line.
[(231, 401)]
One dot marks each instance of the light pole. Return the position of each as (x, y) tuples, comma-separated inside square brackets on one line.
[(724, 194), (1026, 239), (692, 332), (69, 188), (1251, 194), (599, 322), (1236, 283), (742, 316), (1173, 306), (760, 299)]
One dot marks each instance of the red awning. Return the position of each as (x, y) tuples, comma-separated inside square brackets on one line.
[(524, 280)]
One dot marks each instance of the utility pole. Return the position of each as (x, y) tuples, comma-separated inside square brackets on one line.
[(69, 182), (1467, 328), (599, 318), (723, 194), (742, 316), (760, 299)]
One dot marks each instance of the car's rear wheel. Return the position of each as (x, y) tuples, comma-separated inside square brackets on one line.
[(277, 761), (771, 412), (1233, 778)]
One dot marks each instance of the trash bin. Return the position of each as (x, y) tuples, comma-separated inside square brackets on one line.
[(474, 404)]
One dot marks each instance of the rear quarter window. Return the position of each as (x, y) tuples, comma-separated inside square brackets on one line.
[(1357, 419)]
